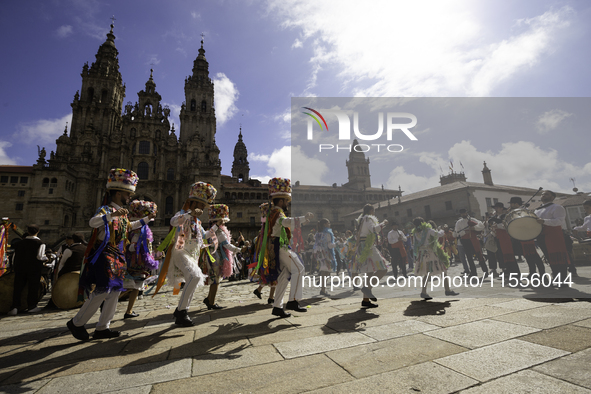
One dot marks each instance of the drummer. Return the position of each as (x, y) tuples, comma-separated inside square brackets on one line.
[(466, 228), (528, 247), (73, 256), (585, 228), (504, 241), (551, 240)]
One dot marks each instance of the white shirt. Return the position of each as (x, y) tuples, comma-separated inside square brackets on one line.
[(462, 224), (586, 225), (396, 235), (65, 256), (553, 215), (370, 225), (286, 222)]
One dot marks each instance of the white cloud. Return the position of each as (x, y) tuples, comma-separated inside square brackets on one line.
[(42, 131), (550, 120), (297, 44), (417, 48), (309, 171), (284, 117), (195, 15), (64, 31), (516, 164), (226, 94), (153, 60), (4, 159)]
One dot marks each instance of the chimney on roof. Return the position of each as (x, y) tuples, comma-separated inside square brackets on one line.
[(486, 175)]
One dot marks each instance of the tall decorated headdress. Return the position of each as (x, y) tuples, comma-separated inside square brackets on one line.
[(219, 211), (139, 209), (203, 192), (280, 188), (122, 179)]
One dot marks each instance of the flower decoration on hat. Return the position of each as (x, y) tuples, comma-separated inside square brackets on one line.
[(219, 211), (203, 192), (122, 179), (280, 188), (264, 207), (139, 208)]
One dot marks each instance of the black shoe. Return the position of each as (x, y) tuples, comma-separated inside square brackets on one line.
[(367, 292), (368, 304), (210, 306), (182, 318), (426, 296), (270, 301), (258, 294), (130, 315), (280, 312), (294, 306), (106, 334), (79, 333)]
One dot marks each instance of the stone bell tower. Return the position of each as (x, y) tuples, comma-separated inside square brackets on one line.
[(240, 167)]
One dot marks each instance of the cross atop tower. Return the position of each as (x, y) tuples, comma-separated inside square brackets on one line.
[(112, 19)]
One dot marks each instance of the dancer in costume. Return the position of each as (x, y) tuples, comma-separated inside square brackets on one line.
[(265, 279), (396, 240), (183, 245), (219, 262), (324, 252), (139, 254), (430, 258), (368, 259), (276, 254), (104, 265)]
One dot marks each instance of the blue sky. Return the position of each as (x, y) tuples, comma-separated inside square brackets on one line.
[(262, 53)]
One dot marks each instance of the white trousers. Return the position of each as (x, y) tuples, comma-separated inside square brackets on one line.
[(290, 265), (92, 304), (191, 283)]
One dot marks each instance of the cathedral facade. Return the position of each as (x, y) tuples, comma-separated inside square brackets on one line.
[(61, 193)]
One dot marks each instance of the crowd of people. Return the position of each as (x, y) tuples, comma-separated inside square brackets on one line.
[(119, 256)]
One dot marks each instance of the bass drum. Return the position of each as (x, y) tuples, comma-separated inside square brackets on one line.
[(65, 291), (522, 224), (7, 288)]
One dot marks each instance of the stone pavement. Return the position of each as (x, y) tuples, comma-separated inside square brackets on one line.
[(496, 344)]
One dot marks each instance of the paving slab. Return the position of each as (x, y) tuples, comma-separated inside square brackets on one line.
[(526, 382), (398, 329), (481, 333), (212, 363), (291, 334), (520, 304), (425, 378), (61, 368), (500, 359), (570, 338), (211, 346), (21, 388), (121, 378), (573, 368), (453, 317), (383, 356), (307, 373), (133, 390), (321, 344), (584, 323), (546, 317)]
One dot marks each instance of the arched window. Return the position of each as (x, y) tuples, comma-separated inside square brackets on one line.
[(143, 170), (193, 105), (227, 194), (45, 182), (144, 148), (67, 221), (170, 174), (240, 196), (87, 147), (90, 94), (53, 182), (169, 208), (203, 106), (104, 96)]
